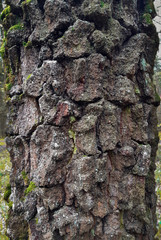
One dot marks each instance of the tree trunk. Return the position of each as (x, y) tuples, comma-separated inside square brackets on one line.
[(82, 135)]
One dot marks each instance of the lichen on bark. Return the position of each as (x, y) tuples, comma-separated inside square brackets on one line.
[(82, 122)]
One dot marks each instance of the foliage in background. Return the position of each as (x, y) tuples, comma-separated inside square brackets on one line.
[(5, 167), (2, 94), (157, 80), (158, 189)]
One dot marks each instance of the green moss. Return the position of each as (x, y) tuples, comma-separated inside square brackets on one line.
[(9, 81), (36, 220), (18, 26), (157, 97), (128, 110), (24, 43), (137, 91), (2, 142), (7, 99), (7, 193), (5, 189), (27, 44), (36, 122), (10, 204), (2, 49), (92, 232), (8, 86), (148, 19), (20, 96), (102, 4), (72, 134), (26, 2), (75, 150), (5, 12), (22, 199), (25, 177), (149, 7), (5, 33), (40, 119), (30, 188), (28, 77), (72, 119)]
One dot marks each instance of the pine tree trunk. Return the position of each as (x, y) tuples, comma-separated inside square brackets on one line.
[(82, 135)]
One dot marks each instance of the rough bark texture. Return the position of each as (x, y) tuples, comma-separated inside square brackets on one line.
[(82, 133)]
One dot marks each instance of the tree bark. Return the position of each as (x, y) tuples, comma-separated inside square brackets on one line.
[(83, 128)]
